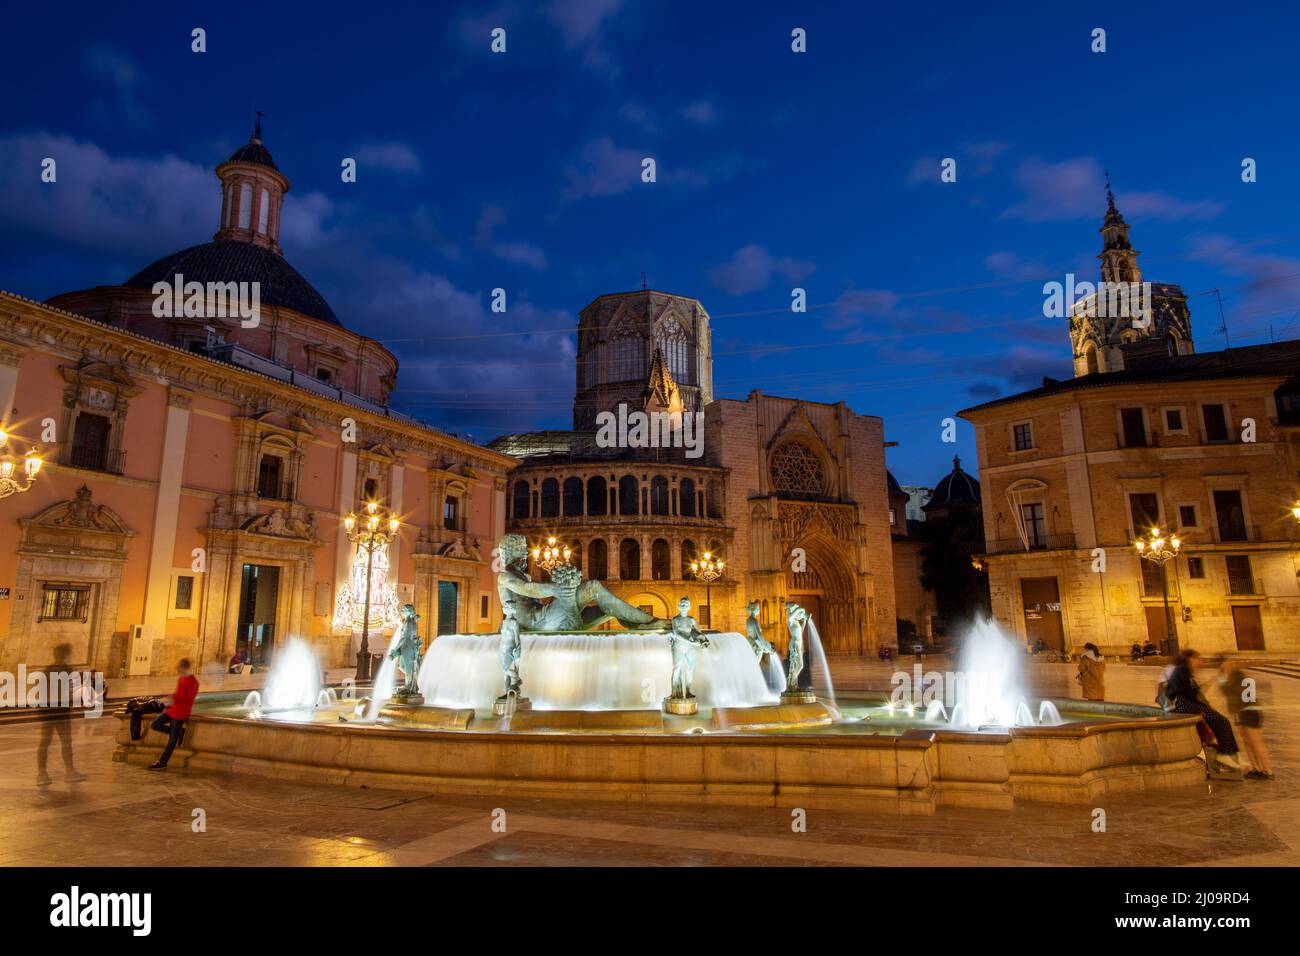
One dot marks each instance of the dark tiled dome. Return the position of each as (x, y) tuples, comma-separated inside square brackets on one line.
[(892, 483), (253, 152), (957, 487), (230, 260)]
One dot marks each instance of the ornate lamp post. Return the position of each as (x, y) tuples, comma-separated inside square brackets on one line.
[(369, 537), (708, 569), (552, 555), (1159, 550), (9, 485)]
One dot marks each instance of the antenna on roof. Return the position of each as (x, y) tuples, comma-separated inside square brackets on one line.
[(1223, 322)]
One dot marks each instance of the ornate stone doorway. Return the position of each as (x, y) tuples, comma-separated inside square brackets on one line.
[(825, 587)]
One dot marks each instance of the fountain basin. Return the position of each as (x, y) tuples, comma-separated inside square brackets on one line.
[(840, 766)]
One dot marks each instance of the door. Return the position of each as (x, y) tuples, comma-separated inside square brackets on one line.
[(1249, 628), (448, 601), (258, 600), (1157, 624), (1041, 603)]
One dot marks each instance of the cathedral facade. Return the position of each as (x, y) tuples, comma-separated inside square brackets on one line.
[(791, 495)]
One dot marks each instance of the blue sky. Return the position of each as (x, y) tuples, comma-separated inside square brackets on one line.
[(775, 169)]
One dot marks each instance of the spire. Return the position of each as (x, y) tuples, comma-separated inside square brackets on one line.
[(257, 127), (1118, 257), (661, 393)]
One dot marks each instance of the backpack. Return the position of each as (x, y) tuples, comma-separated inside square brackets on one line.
[(1162, 697)]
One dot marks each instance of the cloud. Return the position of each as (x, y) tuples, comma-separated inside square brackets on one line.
[(119, 81), (1076, 189), (517, 252), (752, 268), (1021, 368), (701, 113), (392, 157), (603, 169), (1271, 286), (582, 25), (1009, 265)]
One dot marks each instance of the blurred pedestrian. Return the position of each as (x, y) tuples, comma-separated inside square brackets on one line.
[(1092, 673), (1242, 694), (1185, 694), (58, 700)]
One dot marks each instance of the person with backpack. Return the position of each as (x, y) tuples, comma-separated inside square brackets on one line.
[(172, 720), (1184, 694)]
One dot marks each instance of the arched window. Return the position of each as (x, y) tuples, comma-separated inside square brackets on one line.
[(713, 499), (245, 206), (689, 554), (1090, 354), (597, 560), (520, 506), (686, 498), (629, 560), (660, 560), (628, 493), (263, 211), (626, 354), (597, 495), (659, 495), (672, 340), (550, 497), (572, 496)]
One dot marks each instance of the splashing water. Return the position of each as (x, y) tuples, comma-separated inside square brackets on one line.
[(385, 681), (773, 672), (1048, 715), (295, 681), (594, 671), (988, 686), (819, 658), (935, 711)]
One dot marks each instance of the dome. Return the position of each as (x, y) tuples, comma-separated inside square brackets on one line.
[(956, 487), (253, 152), (892, 483), (230, 260)]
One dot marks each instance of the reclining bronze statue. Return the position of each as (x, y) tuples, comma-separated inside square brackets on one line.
[(566, 602)]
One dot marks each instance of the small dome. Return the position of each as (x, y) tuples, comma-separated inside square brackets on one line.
[(230, 260), (892, 483), (956, 487)]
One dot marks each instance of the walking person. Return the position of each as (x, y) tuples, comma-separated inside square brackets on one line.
[(60, 720), (1092, 673), (1185, 694), (1242, 695), (172, 720)]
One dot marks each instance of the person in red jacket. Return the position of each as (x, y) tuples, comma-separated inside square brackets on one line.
[(172, 720)]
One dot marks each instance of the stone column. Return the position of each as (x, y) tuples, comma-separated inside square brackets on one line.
[(162, 543)]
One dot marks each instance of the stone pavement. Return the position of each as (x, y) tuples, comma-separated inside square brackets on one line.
[(127, 816)]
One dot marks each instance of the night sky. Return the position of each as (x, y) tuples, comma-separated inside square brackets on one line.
[(775, 170)]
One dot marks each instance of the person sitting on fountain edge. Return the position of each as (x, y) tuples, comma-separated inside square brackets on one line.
[(172, 720)]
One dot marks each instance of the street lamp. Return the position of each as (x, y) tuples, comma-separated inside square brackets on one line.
[(553, 555), (708, 569), (9, 485), (369, 537), (1159, 550)]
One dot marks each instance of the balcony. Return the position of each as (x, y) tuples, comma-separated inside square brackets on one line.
[(1050, 542), (93, 458), (1244, 587)]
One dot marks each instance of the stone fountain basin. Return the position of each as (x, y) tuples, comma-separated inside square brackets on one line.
[(1123, 749)]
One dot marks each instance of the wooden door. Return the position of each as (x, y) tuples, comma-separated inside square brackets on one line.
[(1249, 628)]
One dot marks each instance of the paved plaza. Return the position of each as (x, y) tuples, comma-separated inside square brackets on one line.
[(125, 816)]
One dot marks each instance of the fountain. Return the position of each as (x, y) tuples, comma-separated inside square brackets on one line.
[(558, 703)]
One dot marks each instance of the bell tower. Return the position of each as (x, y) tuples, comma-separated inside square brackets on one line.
[(1118, 257)]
